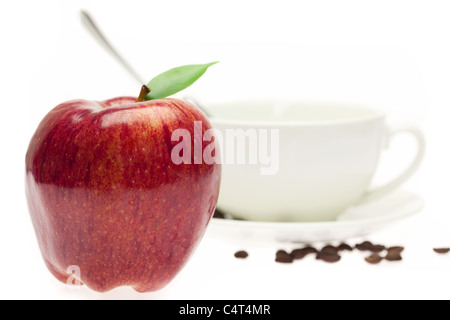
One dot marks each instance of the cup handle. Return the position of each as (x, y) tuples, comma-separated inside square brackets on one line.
[(393, 129)]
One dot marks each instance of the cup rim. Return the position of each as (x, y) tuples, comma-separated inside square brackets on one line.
[(373, 114)]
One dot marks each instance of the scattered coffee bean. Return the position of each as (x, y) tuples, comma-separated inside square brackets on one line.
[(283, 257), (329, 254), (241, 254), (310, 250), (377, 248), (365, 246), (374, 258), (298, 254), (344, 247), (331, 250), (369, 246), (394, 254), (442, 250), (328, 257)]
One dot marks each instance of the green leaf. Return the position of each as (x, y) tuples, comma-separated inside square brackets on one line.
[(175, 80)]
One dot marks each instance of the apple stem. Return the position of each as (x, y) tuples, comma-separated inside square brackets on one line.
[(144, 92)]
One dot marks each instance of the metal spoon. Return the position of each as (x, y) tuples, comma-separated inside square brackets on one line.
[(89, 23), (92, 27)]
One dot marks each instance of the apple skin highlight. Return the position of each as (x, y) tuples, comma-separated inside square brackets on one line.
[(104, 195)]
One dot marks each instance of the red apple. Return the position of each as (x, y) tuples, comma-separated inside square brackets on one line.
[(104, 195)]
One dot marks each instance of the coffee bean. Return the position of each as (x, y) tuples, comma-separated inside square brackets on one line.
[(374, 258), (328, 257), (310, 250), (330, 250), (241, 254), (391, 257), (369, 246), (344, 247), (283, 257), (329, 254), (298, 254), (396, 249), (394, 254), (377, 248), (442, 250), (365, 246)]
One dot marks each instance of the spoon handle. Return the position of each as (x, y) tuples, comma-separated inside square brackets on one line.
[(92, 27)]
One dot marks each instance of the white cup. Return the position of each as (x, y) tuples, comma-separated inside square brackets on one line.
[(322, 162)]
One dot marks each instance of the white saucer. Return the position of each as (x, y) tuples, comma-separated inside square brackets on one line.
[(356, 221)]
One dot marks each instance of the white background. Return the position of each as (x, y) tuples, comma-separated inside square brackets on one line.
[(390, 54)]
